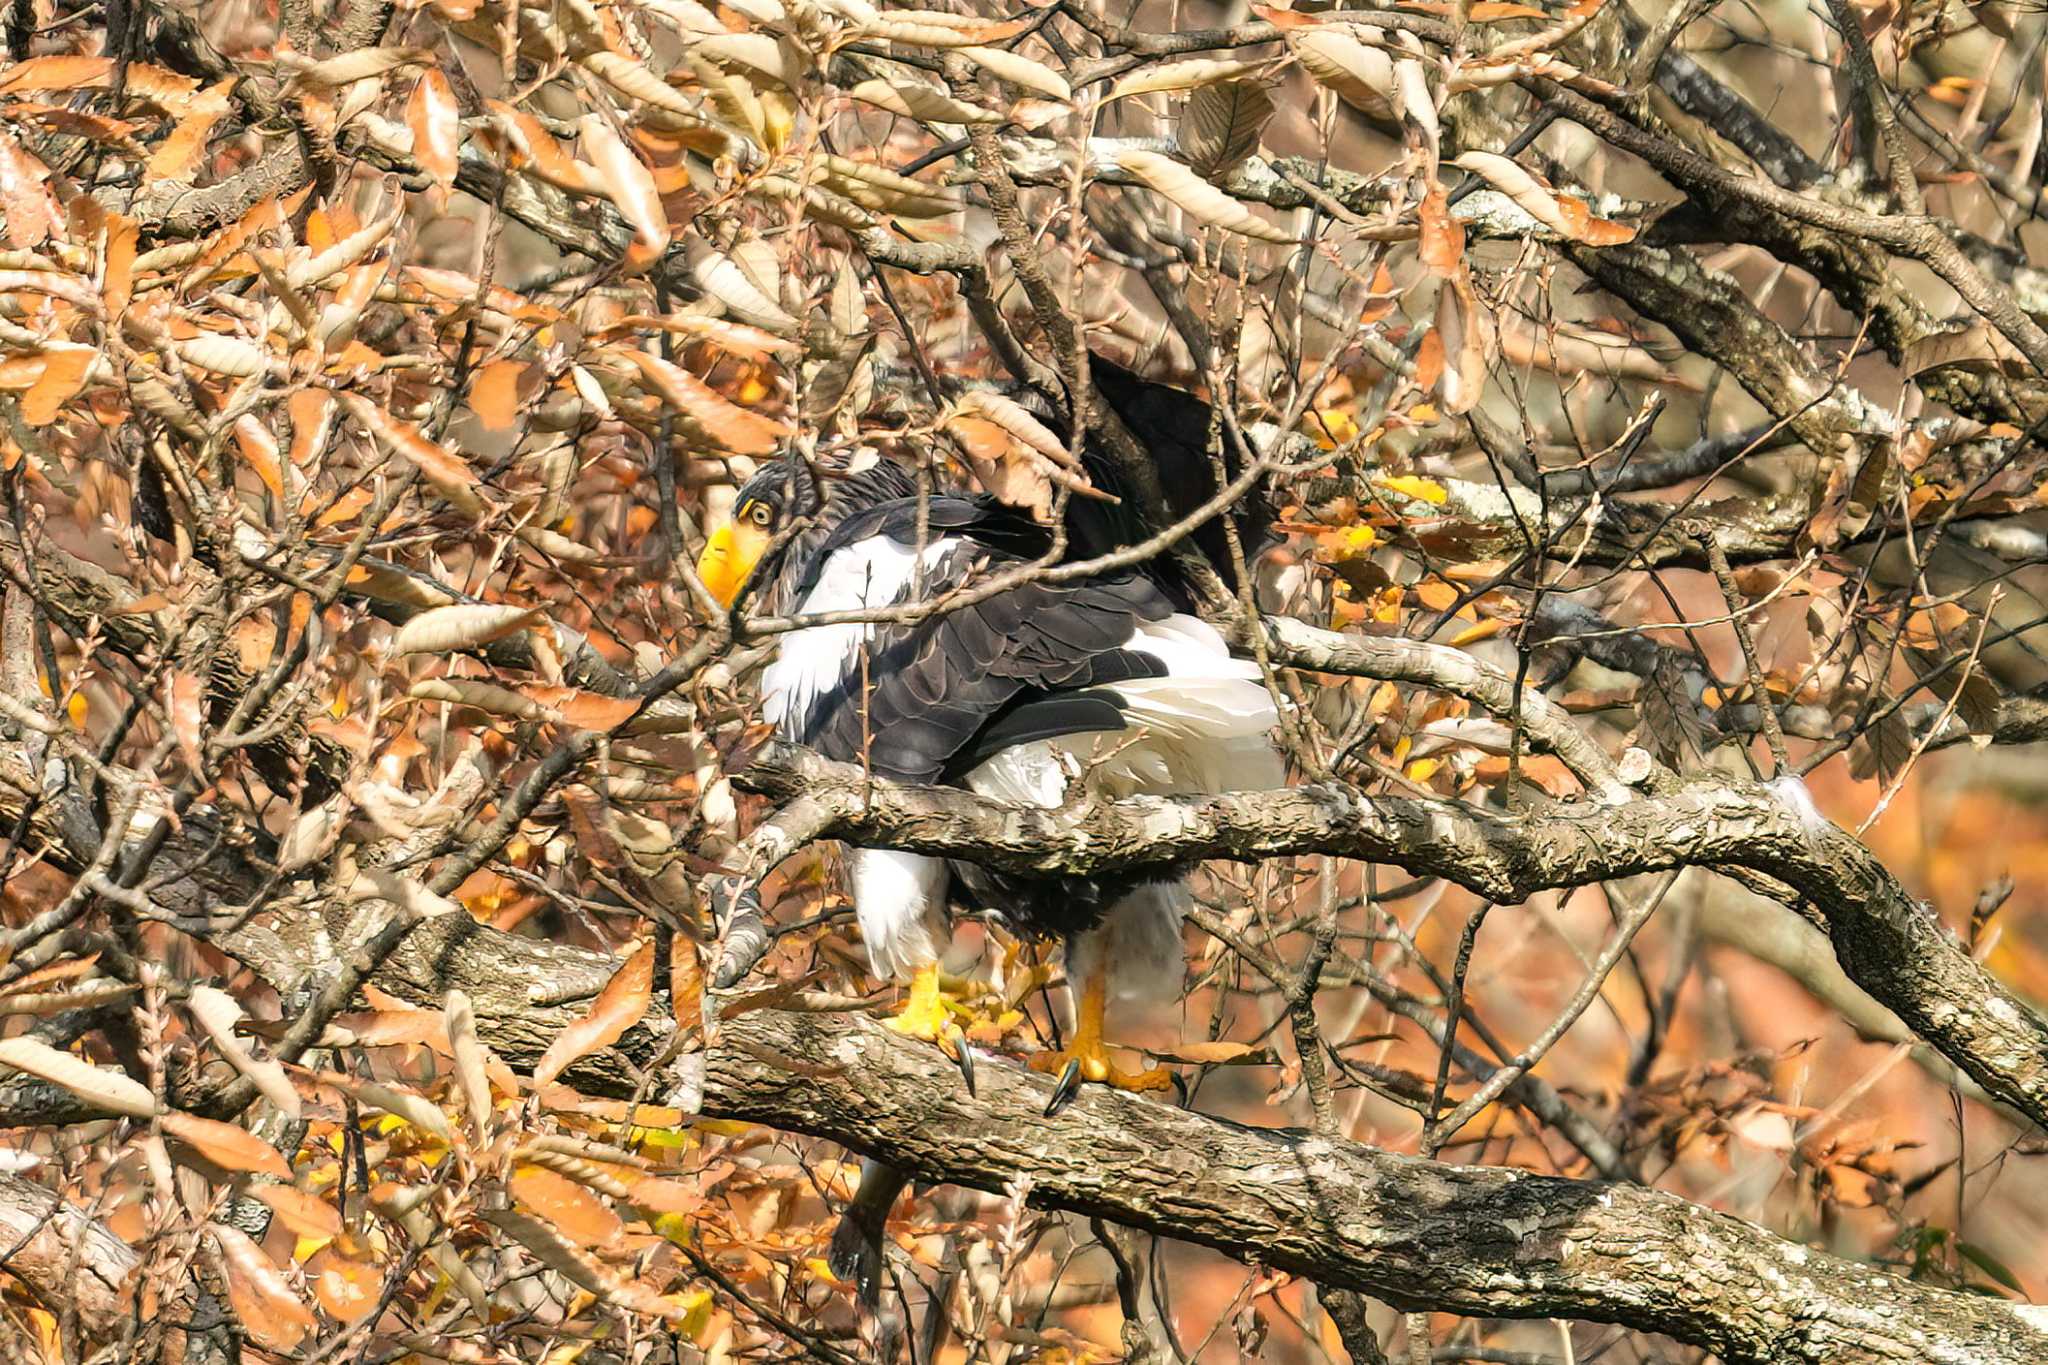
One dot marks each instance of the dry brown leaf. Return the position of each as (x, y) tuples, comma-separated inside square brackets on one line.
[(217, 1013), (1196, 197), (626, 180), (179, 155), (566, 1206), (360, 65), (63, 374), (620, 1005), (583, 710), (883, 190), (1979, 346), (227, 1146), (113, 1090), (718, 420), (924, 103), (1220, 127), (226, 355), (735, 289), (1442, 247), (449, 474), (1189, 75), (58, 73), (388, 1028), (305, 1215), (1531, 195), (1353, 69), (1212, 1054), (259, 450), (117, 284), (1467, 331), (498, 701), (553, 1250), (397, 1100), (32, 214), (1017, 420), (758, 54), (472, 1063), (436, 123), (263, 1300), (1020, 70), (937, 28), (495, 395), (467, 625), (531, 148), (635, 81)]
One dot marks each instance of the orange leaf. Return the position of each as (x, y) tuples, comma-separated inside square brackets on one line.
[(724, 423), (1429, 361), (495, 395), (311, 411), (56, 73), (259, 448), (619, 1006), (259, 1293), (1443, 237), (451, 477), (185, 717), (119, 283), (1207, 1053), (63, 376), (396, 1028), (627, 181), (583, 710), (570, 1209), (31, 212), (227, 1146), (685, 984), (345, 1287), (177, 155), (436, 125), (306, 1215)]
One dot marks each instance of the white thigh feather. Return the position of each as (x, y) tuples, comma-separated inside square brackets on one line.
[(900, 900)]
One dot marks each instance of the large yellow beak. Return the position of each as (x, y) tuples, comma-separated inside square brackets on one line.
[(729, 556)]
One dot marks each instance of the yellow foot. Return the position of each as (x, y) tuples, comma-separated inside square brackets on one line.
[(1094, 1064), (927, 1014)]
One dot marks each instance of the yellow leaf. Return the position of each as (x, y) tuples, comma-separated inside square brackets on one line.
[(1421, 769), (1420, 489), (1485, 630)]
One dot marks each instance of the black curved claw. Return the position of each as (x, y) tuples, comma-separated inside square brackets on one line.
[(1180, 1088), (1069, 1086), (855, 1255), (963, 1057)]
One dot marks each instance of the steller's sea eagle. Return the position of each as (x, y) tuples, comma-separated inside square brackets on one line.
[(1105, 679)]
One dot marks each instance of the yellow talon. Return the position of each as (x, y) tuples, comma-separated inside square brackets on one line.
[(1088, 1049), (926, 1014)]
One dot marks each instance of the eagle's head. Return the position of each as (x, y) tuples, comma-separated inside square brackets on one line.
[(779, 493)]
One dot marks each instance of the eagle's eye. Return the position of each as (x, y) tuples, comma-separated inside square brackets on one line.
[(760, 513)]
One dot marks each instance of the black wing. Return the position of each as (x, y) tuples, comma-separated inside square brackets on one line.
[(949, 690), (1173, 426)]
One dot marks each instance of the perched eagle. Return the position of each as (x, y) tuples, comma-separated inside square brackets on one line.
[(1019, 695)]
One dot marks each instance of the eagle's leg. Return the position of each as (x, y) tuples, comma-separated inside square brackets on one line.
[(1086, 1052)]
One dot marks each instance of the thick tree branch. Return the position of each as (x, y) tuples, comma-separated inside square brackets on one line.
[(1417, 1234), (1890, 944)]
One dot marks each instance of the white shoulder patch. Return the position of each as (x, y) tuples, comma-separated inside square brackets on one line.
[(874, 572)]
